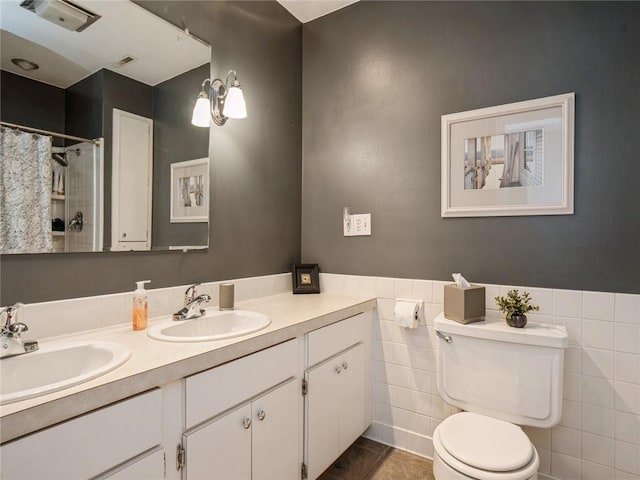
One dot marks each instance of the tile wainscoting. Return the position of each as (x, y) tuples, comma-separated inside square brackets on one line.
[(599, 433)]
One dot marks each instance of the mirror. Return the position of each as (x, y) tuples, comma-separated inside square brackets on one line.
[(113, 87)]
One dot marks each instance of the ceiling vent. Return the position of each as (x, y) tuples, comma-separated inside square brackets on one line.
[(64, 13), (124, 61)]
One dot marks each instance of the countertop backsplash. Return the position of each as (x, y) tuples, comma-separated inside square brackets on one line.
[(63, 317)]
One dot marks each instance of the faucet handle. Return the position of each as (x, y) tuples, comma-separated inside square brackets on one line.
[(17, 328), (190, 293), (10, 312)]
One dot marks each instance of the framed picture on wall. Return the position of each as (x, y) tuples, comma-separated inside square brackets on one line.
[(509, 160), (190, 191), (306, 278)]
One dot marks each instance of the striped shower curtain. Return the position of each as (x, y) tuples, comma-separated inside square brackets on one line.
[(25, 192)]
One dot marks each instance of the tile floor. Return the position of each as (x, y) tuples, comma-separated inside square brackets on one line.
[(369, 460)]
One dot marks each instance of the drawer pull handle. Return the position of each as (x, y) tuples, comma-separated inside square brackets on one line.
[(246, 423), (345, 365), (338, 370), (261, 415)]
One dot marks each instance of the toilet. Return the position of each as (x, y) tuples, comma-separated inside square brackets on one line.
[(501, 377)]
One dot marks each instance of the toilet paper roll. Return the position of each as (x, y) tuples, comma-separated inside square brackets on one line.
[(406, 313)]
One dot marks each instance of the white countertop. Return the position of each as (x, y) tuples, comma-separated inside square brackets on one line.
[(154, 363)]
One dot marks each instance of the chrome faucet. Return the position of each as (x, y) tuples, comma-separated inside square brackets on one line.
[(192, 304), (11, 342)]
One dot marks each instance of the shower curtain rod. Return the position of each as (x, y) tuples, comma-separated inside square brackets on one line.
[(47, 132)]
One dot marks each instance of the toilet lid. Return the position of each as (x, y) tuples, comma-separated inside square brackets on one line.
[(485, 443)]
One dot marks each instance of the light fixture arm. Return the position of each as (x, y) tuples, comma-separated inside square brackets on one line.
[(235, 82), (218, 93)]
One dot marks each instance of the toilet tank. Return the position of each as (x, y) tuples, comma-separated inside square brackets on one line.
[(513, 374)]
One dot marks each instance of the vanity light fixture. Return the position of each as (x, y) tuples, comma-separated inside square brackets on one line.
[(221, 101)]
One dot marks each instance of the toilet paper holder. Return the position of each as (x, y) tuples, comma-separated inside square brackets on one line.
[(420, 312)]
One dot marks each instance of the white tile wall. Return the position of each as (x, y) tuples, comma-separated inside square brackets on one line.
[(599, 434), (63, 317)]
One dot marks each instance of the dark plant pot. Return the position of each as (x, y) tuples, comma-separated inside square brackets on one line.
[(517, 321)]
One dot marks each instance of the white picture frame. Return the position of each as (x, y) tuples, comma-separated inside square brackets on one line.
[(190, 191), (509, 160)]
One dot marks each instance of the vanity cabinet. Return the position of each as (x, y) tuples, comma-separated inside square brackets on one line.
[(338, 404), (282, 413), (243, 418), (89, 445)]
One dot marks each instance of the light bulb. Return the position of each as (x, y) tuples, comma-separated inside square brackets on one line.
[(234, 104), (201, 114)]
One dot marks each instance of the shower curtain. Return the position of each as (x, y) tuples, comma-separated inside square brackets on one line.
[(25, 192)]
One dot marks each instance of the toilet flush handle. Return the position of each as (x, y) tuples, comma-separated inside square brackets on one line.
[(444, 336)]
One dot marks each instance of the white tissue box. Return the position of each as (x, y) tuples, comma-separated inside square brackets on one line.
[(464, 305)]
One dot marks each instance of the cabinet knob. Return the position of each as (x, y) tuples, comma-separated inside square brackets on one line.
[(246, 423), (345, 365), (261, 415), (124, 235), (338, 370)]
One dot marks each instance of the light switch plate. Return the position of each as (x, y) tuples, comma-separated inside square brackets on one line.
[(359, 225)]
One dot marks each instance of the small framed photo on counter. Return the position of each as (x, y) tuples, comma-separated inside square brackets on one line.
[(306, 278)]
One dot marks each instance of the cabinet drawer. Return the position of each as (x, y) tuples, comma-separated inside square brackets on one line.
[(329, 340), (214, 391), (149, 467), (88, 445)]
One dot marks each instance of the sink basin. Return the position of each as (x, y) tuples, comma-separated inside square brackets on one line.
[(214, 325), (57, 366)]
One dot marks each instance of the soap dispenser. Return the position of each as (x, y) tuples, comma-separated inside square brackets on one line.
[(140, 313)]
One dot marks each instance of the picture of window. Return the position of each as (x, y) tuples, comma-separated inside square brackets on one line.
[(190, 191), (503, 161)]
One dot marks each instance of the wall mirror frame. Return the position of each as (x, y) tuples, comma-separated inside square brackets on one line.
[(118, 113)]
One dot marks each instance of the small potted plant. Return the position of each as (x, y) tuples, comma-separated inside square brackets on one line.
[(515, 307)]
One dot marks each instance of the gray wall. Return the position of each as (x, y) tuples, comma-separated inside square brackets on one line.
[(83, 107), (176, 140), (378, 76), (256, 169), (31, 103)]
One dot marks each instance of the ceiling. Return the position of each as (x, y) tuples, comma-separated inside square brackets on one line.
[(307, 10), (66, 57)]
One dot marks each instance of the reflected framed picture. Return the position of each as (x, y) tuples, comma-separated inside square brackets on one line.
[(509, 160), (306, 278), (190, 191)]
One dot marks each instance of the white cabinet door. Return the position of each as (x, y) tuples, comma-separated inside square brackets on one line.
[(335, 408), (322, 410), (352, 396), (222, 449), (132, 164), (268, 449), (276, 434)]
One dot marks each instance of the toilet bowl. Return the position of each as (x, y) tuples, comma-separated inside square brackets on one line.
[(472, 446)]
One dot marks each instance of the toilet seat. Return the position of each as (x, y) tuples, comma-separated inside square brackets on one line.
[(485, 448)]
